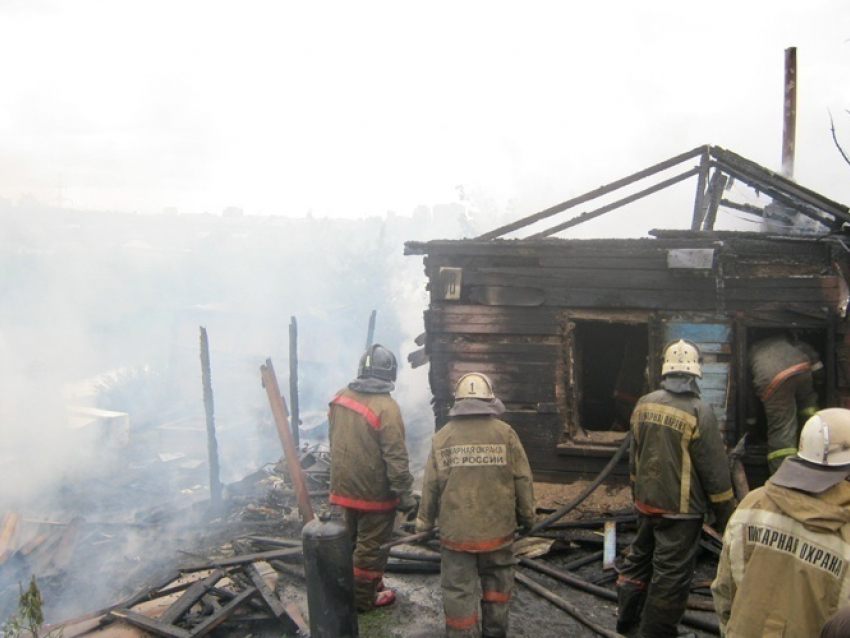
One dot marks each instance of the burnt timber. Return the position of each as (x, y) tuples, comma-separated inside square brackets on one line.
[(550, 320)]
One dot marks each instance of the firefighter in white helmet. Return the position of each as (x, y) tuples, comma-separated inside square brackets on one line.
[(785, 565), (679, 474), (477, 488)]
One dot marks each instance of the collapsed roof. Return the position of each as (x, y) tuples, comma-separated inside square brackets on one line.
[(715, 169)]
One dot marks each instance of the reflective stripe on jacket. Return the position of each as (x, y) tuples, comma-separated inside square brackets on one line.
[(678, 462), (785, 565), (477, 486), (369, 462)]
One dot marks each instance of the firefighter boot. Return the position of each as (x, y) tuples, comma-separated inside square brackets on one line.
[(631, 596)]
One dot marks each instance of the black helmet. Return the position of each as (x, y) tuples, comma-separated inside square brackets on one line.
[(377, 363)]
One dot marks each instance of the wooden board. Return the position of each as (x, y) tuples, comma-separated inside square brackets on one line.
[(507, 295)]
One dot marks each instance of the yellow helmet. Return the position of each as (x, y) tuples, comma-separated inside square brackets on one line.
[(682, 356), (474, 385)]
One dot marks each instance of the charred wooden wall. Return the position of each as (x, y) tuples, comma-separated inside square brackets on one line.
[(503, 306)]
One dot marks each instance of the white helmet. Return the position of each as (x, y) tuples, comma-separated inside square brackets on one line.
[(825, 438), (474, 385), (681, 356)]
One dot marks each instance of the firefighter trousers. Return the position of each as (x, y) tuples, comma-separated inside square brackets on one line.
[(460, 574), (793, 396), (368, 531), (656, 575)]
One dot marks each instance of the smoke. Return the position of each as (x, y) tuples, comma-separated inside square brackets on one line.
[(101, 398)]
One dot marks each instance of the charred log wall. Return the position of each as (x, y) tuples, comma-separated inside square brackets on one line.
[(501, 307)]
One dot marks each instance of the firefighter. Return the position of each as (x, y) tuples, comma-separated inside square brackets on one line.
[(785, 565), (477, 487), (370, 475), (679, 473), (782, 370)]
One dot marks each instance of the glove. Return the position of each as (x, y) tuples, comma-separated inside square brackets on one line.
[(408, 503), (422, 526), (524, 529)]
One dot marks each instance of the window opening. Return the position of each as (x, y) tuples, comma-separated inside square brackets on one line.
[(611, 370)]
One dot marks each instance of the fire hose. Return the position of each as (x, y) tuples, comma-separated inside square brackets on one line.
[(562, 604), (573, 581)]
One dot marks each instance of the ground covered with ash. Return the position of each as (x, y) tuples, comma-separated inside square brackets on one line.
[(119, 550)]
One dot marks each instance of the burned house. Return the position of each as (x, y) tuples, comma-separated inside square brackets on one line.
[(566, 327)]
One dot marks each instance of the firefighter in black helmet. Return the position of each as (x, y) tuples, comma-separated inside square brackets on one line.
[(370, 477)]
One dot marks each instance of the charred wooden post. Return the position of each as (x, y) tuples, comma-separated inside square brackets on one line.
[(209, 409), (789, 126), (715, 194), (370, 332), (699, 200), (292, 463), (295, 408)]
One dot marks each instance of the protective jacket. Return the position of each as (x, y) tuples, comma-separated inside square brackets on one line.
[(478, 484), (784, 568), (678, 464), (775, 359), (369, 463)]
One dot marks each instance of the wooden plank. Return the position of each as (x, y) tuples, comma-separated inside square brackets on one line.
[(507, 295), (206, 627), (817, 295), (65, 549), (192, 595), (624, 279), (496, 351), (272, 601), (478, 261), (295, 616), (781, 282), (673, 300), (503, 328), (246, 558), (478, 313), (717, 398), (457, 368), (148, 624), (509, 392), (607, 260), (697, 332)]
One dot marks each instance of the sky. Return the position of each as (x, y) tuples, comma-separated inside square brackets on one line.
[(350, 109)]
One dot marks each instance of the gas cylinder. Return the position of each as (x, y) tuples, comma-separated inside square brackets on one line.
[(329, 570)]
